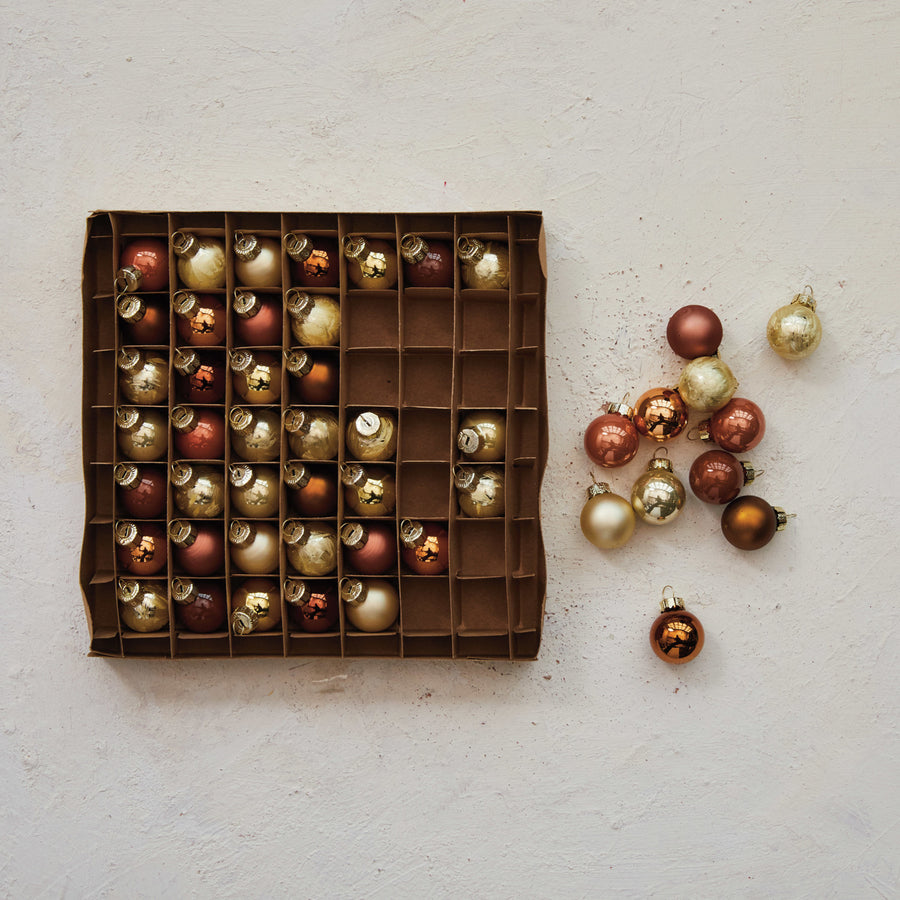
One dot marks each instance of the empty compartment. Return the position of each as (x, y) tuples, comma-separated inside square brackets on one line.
[(526, 379), (527, 227), (427, 318), (484, 380), (522, 490), (426, 604), (99, 265), (193, 645), (103, 605), (425, 434), (359, 643), (484, 320), (149, 646), (526, 645), (302, 644), (526, 603), (200, 222), (251, 223), (106, 644), (483, 646), (265, 643), (437, 225), (481, 547), (523, 434), (427, 379), (100, 435), (481, 225), (371, 378), (99, 549), (136, 224), (424, 491), (428, 646), (371, 319), (380, 225), (311, 223), (524, 546), (527, 327), (527, 269), (100, 326), (100, 500), (482, 606), (103, 378)]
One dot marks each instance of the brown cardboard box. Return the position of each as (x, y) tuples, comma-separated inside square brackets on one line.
[(427, 355)]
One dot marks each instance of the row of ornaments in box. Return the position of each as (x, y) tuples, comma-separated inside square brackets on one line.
[(372, 264)]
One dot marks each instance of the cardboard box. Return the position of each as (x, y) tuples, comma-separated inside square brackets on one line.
[(425, 354)]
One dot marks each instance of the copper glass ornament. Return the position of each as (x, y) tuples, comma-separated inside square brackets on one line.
[(143, 605), (198, 433), (200, 319), (142, 434), (425, 547), (199, 605), (197, 548), (794, 331), (256, 606), (315, 320), (612, 439), (482, 436), (694, 331), (314, 260), (372, 436), (484, 265), (369, 549), (749, 523), (257, 260), (717, 476), (315, 379), (426, 263), (737, 427), (256, 376), (257, 319), (369, 491), (660, 414), (199, 491), (311, 493), (199, 376), (144, 320), (312, 605), (607, 520), (141, 490), (140, 548), (255, 433), (371, 263), (480, 491), (658, 495), (706, 384), (676, 636), (371, 604), (311, 547), (253, 546), (254, 490), (312, 433), (201, 261), (143, 266)]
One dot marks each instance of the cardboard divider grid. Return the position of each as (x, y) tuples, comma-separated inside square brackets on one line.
[(427, 356)]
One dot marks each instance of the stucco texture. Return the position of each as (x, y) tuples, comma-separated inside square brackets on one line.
[(722, 153)]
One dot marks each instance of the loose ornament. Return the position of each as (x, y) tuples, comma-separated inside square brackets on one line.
[(749, 522), (717, 476), (314, 260), (607, 520), (371, 263), (371, 604), (658, 495), (676, 635), (660, 414), (737, 427), (706, 384), (794, 331), (694, 331), (612, 439), (201, 261)]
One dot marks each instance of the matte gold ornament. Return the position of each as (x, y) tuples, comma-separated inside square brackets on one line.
[(706, 384), (607, 520), (255, 433), (371, 604), (315, 320), (199, 491), (142, 434), (371, 263), (482, 436), (257, 260), (484, 265), (201, 261), (369, 490), (312, 433), (253, 546), (480, 491), (256, 606), (676, 636), (143, 376), (143, 605), (794, 331), (372, 436), (312, 547), (257, 376), (658, 495), (254, 490)]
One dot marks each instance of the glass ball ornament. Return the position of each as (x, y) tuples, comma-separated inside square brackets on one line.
[(426, 263), (694, 331), (482, 436), (257, 260), (658, 495), (660, 414), (371, 263), (425, 547), (143, 605), (142, 434), (370, 604), (312, 547), (749, 522), (612, 439), (256, 376), (253, 546), (200, 319), (676, 636), (484, 265), (794, 331), (198, 548), (311, 492), (369, 491), (200, 377), (143, 266), (140, 547), (737, 427), (480, 491), (372, 436), (145, 320), (141, 490), (199, 605), (257, 319), (199, 491), (201, 261), (316, 379), (315, 261), (607, 520), (370, 548), (256, 606), (717, 476), (706, 384), (315, 320), (254, 490), (312, 605), (198, 433), (255, 433), (312, 433)]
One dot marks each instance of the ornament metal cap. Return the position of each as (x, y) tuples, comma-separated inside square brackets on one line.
[(128, 591), (367, 424), (298, 362), (781, 518), (469, 249), (668, 604), (294, 532), (297, 246), (184, 592), (185, 361), (128, 418), (129, 359), (128, 279), (352, 474), (353, 591), (126, 534), (186, 304), (240, 419), (296, 475), (299, 303), (181, 473), (353, 535), (659, 462), (354, 245), (184, 243), (131, 309), (702, 432), (127, 476), (465, 478), (184, 419), (240, 474), (244, 620), (182, 533), (246, 246), (246, 304), (412, 533), (241, 533), (413, 248), (241, 360), (469, 441), (622, 408), (750, 474), (805, 298), (598, 487), (296, 591), (297, 420)]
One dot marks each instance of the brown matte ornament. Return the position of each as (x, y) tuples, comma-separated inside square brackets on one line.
[(694, 331), (256, 606), (143, 376), (256, 376), (141, 490), (311, 547), (142, 434), (255, 433), (253, 546), (371, 604), (199, 605), (257, 260), (315, 260), (312, 605), (197, 548), (144, 320), (143, 605), (198, 433), (426, 263), (676, 636), (369, 549), (199, 491), (312, 433), (425, 547), (612, 439), (737, 427), (369, 491), (257, 319), (199, 376), (143, 266), (749, 523), (372, 436), (660, 414), (310, 492), (484, 265), (254, 490), (482, 436), (200, 319), (315, 320), (371, 263), (717, 476), (316, 379), (480, 491), (201, 261), (140, 547)]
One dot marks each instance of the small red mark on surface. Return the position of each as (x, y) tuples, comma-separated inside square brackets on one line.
[(676, 690), (445, 183)]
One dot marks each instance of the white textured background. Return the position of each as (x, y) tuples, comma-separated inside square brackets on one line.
[(725, 153)]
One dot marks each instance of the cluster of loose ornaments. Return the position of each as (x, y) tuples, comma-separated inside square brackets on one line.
[(735, 424)]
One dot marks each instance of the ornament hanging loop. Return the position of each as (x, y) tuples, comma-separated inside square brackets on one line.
[(661, 450)]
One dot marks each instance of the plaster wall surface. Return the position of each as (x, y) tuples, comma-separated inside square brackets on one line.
[(724, 153)]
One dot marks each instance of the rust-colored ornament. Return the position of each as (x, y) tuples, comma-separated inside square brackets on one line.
[(612, 439), (199, 319), (198, 433), (311, 492), (426, 263), (694, 331), (314, 260), (145, 320), (749, 522), (717, 476), (676, 636), (660, 414), (312, 605), (200, 376), (143, 266), (316, 379), (199, 605), (737, 427), (140, 547), (425, 547)]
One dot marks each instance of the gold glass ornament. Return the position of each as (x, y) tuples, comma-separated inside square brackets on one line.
[(794, 331), (257, 260), (480, 491), (676, 636), (312, 433), (371, 263), (315, 320), (370, 604), (143, 376), (658, 495), (660, 414), (256, 606), (482, 436), (483, 264), (312, 547), (255, 434), (143, 605), (253, 546), (257, 376), (706, 384), (142, 434), (607, 520), (201, 261), (369, 490), (199, 491), (372, 436), (254, 490)]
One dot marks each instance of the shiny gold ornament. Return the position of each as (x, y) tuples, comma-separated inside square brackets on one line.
[(372, 436), (199, 491), (312, 433), (371, 264), (607, 520), (315, 320), (256, 606), (480, 491), (257, 260), (482, 436), (257, 376), (658, 495), (676, 636), (794, 331), (369, 490), (253, 546), (484, 264), (201, 261), (370, 604), (660, 414), (142, 434), (312, 547), (143, 376), (706, 384), (254, 490), (255, 434), (143, 605)]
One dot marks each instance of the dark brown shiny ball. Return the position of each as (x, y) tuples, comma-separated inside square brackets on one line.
[(207, 611), (321, 610), (676, 636), (749, 523), (660, 414), (206, 385), (147, 499), (717, 477), (322, 268), (318, 497), (738, 426), (152, 327), (320, 384), (206, 440), (436, 270), (694, 331), (206, 555), (148, 554)]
